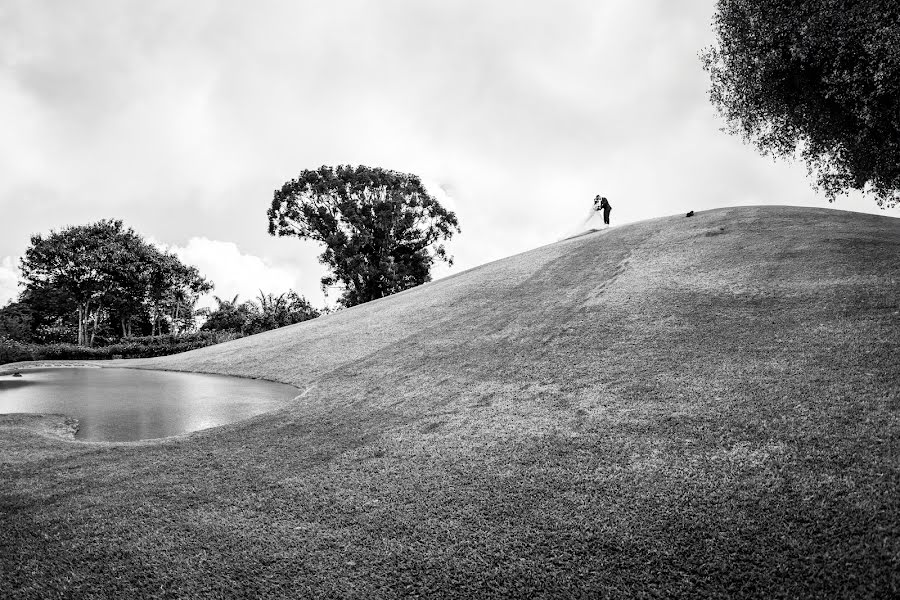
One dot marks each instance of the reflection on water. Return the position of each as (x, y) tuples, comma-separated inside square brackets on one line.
[(133, 404)]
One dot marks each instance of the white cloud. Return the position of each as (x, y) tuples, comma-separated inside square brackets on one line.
[(181, 118), (440, 191), (9, 279), (233, 271)]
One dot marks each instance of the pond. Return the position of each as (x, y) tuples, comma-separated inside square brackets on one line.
[(115, 404)]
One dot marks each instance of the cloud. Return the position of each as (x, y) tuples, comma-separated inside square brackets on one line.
[(234, 272), (181, 118), (9, 279)]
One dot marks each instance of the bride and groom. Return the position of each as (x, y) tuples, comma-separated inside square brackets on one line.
[(601, 203)]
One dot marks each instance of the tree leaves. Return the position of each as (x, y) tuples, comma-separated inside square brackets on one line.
[(267, 312), (381, 229), (814, 78), (102, 269)]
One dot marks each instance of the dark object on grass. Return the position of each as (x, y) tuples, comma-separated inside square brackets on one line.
[(690, 214), (17, 374)]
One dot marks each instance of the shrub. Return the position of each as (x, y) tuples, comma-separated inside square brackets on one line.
[(138, 347), (13, 351)]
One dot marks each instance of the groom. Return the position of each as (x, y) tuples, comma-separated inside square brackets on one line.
[(601, 203)]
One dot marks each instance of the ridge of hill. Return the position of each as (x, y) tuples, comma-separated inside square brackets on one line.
[(701, 406)]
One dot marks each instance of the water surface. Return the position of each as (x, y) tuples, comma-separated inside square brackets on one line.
[(114, 404)]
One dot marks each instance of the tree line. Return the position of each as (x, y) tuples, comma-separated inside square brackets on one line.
[(102, 283)]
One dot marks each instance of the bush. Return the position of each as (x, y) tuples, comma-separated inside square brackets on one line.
[(64, 351), (55, 334), (16, 320), (137, 347), (13, 351)]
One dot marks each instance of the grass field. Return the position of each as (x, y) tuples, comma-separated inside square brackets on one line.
[(684, 407)]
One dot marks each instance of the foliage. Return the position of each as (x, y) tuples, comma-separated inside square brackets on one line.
[(109, 278), (88, 265), (229, 315), (16, 321), (818, 77), (52, 317), (90, 288), (12, 350), (279, 311), (381, 229), (173, 289), (268, 312)]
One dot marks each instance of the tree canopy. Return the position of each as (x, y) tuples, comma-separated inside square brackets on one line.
[(381, 229), (108, 276), (818, 78)]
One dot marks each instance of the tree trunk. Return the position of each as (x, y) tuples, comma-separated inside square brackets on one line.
[(85, 319), (80, 324), (95, 325)]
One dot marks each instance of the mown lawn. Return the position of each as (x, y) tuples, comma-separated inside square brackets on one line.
[(704, 407)]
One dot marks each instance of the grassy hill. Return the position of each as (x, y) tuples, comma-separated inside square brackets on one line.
[(697, 407)]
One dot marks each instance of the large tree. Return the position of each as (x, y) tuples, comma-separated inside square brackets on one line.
[(381, 229), (818, 78), (104, 269), (84, 264)]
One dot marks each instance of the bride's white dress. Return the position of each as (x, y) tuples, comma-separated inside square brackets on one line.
[(593, 221)]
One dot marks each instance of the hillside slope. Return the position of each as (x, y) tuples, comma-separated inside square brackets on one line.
[(698, 407)]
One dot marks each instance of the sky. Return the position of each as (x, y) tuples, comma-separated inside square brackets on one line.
[(182, 118)]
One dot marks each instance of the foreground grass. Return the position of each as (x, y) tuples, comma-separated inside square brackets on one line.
[(700, 407)]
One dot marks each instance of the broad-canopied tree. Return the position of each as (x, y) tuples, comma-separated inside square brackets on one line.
[(818, 78), (104, 269), (381, 229), (84, 263)]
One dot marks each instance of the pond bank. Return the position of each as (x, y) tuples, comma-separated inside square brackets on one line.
[(12, 368), (56, 425)]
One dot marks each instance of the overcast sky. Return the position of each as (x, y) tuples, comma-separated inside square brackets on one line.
[(181, 118)]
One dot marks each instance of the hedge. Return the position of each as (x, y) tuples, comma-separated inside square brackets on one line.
[(138, 347)]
